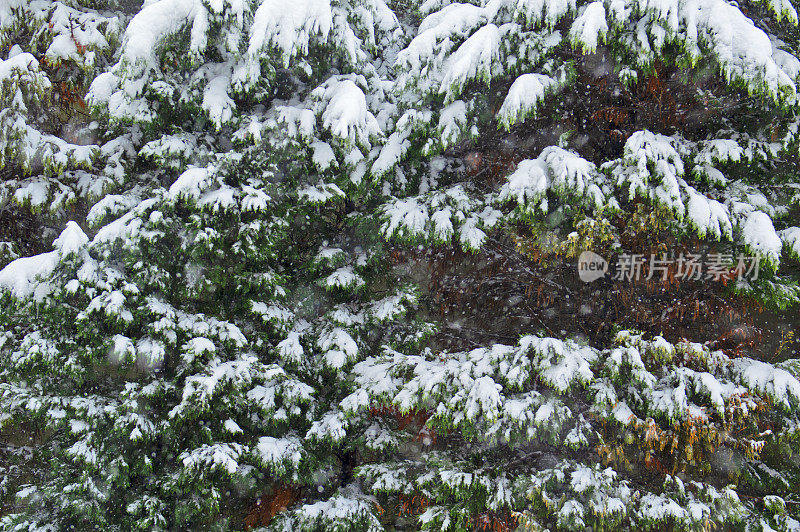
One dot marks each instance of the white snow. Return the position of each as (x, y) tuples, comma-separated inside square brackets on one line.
[(524, 96), (153, 24), (760, 237), (589, 27), (25, 277), (346, 114), (765, 378), (791, 239), (191, 183), (289, 26), (277, 453), (475, 58)]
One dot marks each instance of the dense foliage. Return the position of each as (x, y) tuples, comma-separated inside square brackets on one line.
[(313, 265)]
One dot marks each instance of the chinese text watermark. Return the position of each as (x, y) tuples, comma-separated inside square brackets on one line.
[(719, 267)]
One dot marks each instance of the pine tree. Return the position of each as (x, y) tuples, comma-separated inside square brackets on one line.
[(51, 155), (274, 207), (196, 347)]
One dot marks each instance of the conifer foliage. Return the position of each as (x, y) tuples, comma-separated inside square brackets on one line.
[(236, 325)]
